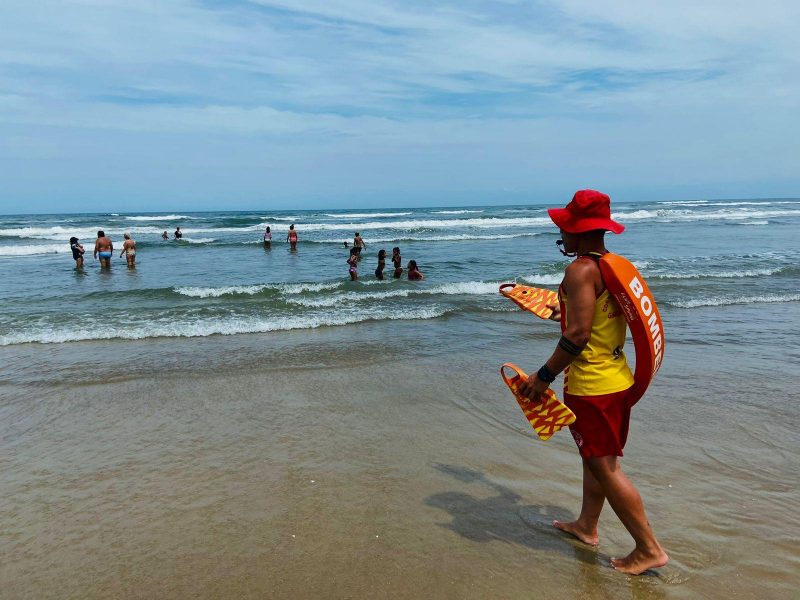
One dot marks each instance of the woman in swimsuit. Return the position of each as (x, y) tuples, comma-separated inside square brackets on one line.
[(268, 237), (381, 264), (291, 237), (397, 260), (352, 263), (77, 252), (414, 274), (129, 250)]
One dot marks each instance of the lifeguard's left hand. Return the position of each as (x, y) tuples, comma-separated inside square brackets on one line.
[(533, 388)]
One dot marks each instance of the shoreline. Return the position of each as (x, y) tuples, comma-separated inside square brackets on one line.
[(193, 479)]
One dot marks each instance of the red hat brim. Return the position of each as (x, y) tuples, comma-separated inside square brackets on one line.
[(565, 220)]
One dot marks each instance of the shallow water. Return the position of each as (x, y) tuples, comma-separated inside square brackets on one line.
[(372, 460)]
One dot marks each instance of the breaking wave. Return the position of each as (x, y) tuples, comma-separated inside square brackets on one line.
[(159, 218), (210, 326), (717, 301), (367, 215), (34, 250)]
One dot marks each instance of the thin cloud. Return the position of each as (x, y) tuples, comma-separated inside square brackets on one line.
[(405, 79)]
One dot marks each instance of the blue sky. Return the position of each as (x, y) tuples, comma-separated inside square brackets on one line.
[(257, 104)]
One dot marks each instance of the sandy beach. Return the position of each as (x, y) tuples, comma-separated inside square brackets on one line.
[(310, 464)]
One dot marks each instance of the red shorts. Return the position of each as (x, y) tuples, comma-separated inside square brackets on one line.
[(601, 423)]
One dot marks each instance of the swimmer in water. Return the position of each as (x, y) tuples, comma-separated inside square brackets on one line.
[(103, 249), (397, 260), (291, 237), (352, 264), (381, 264), (129, 250), (414, 274), (77, 252)]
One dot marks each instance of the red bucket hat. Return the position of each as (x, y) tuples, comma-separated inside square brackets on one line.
[(588, 210)]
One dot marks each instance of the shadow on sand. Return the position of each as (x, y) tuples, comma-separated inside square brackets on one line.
[(502, 517)]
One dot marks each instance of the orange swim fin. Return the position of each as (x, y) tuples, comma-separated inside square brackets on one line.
[(545, 417), (530, 298)]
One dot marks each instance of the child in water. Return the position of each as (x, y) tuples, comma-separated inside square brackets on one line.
[(414, 274), (353, 264), (381, 264), (268, 236), (397, 260)]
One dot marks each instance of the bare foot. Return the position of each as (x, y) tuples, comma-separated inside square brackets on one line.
[(587, 537), (639, 561)]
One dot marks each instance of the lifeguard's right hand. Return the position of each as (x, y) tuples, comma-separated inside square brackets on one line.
[(533, 388), (556, 316)]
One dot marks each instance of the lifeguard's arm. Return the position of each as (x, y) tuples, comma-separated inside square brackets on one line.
[(579, 285)]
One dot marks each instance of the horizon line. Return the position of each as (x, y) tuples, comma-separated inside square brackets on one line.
[(384, 208)]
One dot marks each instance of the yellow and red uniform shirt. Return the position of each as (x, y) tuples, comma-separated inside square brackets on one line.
[(602, 367)]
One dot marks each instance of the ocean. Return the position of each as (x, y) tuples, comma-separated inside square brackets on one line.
[(219, 279), (231, 421)]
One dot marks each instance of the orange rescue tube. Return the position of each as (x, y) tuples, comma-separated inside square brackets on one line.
[(629, 289)]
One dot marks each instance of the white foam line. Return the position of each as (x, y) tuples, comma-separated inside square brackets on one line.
[(366, 215), (196, 240), (691, 215), (717, 301), (300, 288), (250, 290), (448, 238), (468, 288), (159, 218), (547, 279), (211, 326), (209, 292), (717, 274), (85, 234), (31, 250)]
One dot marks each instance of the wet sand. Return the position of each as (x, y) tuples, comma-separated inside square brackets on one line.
[(325, 465)]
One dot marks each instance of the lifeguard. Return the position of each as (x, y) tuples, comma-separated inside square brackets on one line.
[(598, 384)]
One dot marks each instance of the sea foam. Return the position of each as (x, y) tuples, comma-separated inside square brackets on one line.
[(159, 218), (34, 250), (210, 326), (720, 301)]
